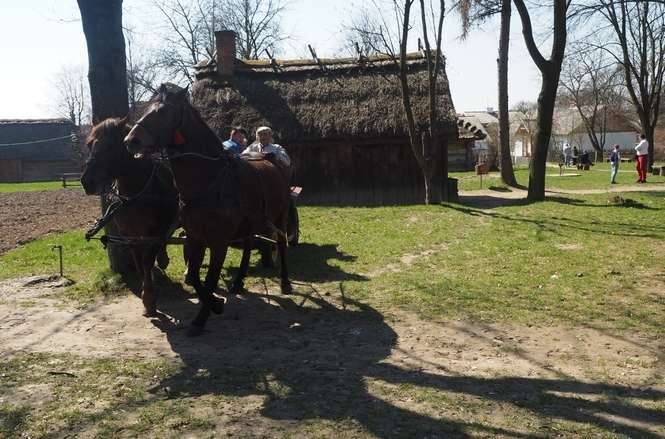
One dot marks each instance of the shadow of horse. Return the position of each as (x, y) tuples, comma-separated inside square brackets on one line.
[(309, 358), (312, 263)]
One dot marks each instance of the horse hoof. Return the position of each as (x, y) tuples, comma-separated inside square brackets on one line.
[(237, 288), (189, 280), (150, 312), (218, 305), (163, 261), (195, 330), (286, 288)]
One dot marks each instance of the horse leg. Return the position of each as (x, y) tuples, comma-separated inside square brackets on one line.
[(163, 258), (195, 252), (285, 283), (148, 295), (198, 253), (217, 256), (137, 256), (238, 284)]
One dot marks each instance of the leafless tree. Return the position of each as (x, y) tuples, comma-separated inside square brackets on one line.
[(388, 33), (72, 96), (472, 13), (591, 82), (528, 108), (635, 38), (550, 70), (257, 24), (143, 71), (190, 25), (186, 39)]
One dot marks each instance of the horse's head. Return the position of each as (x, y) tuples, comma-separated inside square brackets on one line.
[(106, 155), (158, 127)]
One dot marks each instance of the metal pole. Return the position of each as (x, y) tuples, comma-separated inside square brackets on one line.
[(59, 248)]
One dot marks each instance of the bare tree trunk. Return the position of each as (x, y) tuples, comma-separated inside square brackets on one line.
[(507, 173), (107, 74), (550, 70), (649, 132), (546, 100), (442, 146)]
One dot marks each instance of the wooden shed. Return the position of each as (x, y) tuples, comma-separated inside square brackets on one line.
[(341, 120), (36, 150)]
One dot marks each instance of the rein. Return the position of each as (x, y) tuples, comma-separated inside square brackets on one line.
[(117, 205)]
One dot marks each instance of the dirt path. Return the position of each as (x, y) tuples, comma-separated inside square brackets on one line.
[(326, 350), (492, 198), (26, 216)]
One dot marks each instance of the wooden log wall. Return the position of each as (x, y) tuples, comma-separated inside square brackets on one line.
[(363, 173)]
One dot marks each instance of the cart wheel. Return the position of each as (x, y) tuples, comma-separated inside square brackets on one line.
[(293, 228)]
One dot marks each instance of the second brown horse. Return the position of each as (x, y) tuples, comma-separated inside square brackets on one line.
[(148, 196), (223, 198)]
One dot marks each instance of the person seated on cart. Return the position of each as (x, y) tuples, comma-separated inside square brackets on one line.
[(237, 141), (275, 153), (264, 146)]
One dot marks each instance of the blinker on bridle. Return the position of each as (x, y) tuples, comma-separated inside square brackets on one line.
[(178, 138)]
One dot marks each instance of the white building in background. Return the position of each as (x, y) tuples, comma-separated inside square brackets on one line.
[(568, 127), (520, 131)]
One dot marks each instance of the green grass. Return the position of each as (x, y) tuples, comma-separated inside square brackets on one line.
[(62, 395), (572, 260), (575, 261), (596, 178), (84, 262), (31, 187)]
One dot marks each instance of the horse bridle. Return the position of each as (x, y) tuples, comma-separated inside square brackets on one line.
[(175, 129)]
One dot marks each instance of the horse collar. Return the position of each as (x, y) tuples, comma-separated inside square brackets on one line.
[(178, 138)]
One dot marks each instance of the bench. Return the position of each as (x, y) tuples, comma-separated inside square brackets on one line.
[(70, 177)]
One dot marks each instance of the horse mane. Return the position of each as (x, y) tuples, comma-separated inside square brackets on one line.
[(206, 136), (113, 126)]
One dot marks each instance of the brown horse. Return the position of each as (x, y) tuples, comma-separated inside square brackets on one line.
[(223, 198), (147, 193)]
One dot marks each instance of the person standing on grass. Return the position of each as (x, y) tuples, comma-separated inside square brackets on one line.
[(567, 158), (615, 159), (642, 151)]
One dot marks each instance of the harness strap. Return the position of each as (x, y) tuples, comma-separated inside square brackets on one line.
[(116, 206)]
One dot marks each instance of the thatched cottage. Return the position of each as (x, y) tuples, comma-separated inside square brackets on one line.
[(341, 120), (36, 150)]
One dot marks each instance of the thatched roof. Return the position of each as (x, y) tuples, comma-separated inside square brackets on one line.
[(36, 139), (484, 117), (306, 101), (471, 127)]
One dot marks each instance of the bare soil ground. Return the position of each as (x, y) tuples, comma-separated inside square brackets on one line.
[(281, 362), (26, 216)]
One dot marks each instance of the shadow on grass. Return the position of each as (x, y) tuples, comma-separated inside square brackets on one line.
[(557, 225), (311, 358), (491, 202), (325, 360), (309, 262), (163, 284)]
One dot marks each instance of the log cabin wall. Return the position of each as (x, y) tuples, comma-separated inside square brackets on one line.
[(363, 173)]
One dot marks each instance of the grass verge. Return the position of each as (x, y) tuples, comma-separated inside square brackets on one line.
[(31, 187), (576, 260)]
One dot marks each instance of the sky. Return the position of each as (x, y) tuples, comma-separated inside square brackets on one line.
[(40, 37)]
